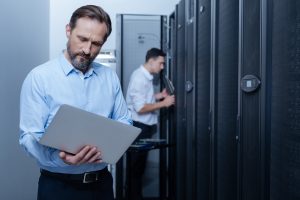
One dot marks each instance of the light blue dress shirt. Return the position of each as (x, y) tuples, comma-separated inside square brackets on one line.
[(57, 82)]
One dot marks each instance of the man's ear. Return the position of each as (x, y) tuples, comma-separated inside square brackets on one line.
[(150, 61), (68, 30)]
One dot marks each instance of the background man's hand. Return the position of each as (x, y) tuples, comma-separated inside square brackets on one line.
[(169, 100), (161, 95)]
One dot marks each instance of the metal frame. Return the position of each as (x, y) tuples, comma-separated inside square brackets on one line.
[(213, 96)]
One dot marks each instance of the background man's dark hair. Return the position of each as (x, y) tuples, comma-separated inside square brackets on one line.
[(154, 53), (92, 12)]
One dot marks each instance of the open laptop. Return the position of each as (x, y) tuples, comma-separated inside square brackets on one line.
[(72, 128)]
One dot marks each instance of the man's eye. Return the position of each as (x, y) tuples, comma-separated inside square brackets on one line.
[(98, 44), (82, 39)]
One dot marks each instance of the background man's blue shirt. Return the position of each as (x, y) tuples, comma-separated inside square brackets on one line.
[(57, 82)]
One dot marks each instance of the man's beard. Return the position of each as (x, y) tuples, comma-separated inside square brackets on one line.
[(80, 61)]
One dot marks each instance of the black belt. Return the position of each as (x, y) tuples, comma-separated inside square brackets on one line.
[(140, 124), (88, 177)]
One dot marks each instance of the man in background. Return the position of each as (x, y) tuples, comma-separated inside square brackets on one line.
[(74, 79), (144, 106)]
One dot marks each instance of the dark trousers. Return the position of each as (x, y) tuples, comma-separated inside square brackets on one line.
[(52, 188), (138, 163)]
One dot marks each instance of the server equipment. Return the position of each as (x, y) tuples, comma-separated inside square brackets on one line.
[(235, 67)]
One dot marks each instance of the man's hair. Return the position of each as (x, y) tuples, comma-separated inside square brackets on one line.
[(154, 53), (92, 12)]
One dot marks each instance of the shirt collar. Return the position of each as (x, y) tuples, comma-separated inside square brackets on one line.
[(67, 67), (146, 73)]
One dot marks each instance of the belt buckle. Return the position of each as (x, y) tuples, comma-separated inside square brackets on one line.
[(90, 177)]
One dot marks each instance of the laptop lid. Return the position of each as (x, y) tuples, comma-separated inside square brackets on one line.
[(72, 128)]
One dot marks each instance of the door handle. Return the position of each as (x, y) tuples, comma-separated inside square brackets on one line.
[(189, 86)]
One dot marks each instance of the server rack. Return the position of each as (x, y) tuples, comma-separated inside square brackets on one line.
[(250, 176), (180, 121), (283, 98), (245, 69), (224, 93), (202, 89), (190, 98)]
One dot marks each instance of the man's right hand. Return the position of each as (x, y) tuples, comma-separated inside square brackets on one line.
[(87, 154)]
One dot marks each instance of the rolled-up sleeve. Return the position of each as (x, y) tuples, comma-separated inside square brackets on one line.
[(137, 94)]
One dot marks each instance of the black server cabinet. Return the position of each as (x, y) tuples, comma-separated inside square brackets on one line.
[(180, 121), (202, 92), (190, 98), (224, 99), (206, 99), (251, 175), (176, 123), (236, 121), (269, 139), (283, 123)]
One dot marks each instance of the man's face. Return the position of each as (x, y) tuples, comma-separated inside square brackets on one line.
[(157, 64), (85, 42)]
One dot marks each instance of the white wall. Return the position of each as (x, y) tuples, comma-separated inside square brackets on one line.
[(61, 11), (24, 44)]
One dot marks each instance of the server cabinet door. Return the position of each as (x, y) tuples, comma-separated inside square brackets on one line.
[(283, 122), (227, 78), (190, 99), (224, 99), (250, 135), (180, 105), (202, 92)]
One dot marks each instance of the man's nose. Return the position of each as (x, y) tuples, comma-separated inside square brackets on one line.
[(87, 48)]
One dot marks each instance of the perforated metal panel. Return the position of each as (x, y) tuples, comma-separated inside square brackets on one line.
[(190, 99), (202, 88), (285, 105), (226, 100), (250, 186)]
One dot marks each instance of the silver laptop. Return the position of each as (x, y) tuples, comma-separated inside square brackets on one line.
[(72, 128)]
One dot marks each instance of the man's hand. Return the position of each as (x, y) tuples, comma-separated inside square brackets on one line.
[(169, 101), (87, 154), (161, 95)]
